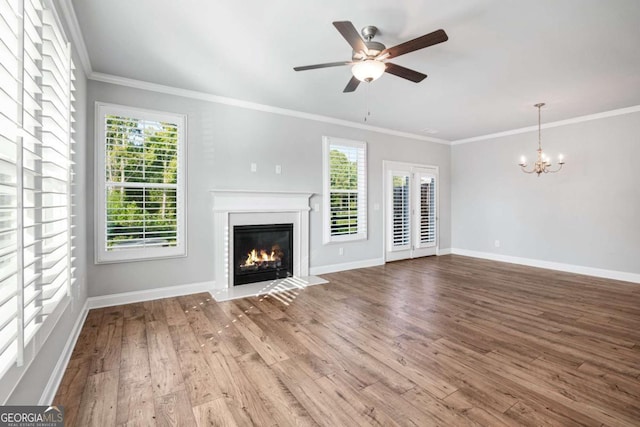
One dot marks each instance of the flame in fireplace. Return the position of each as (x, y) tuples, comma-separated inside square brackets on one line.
[(259, 257)]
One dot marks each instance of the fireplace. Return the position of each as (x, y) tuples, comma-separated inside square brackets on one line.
[(234, 208), (262, 252)]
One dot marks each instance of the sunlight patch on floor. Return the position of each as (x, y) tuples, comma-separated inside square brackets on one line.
[(284, 290)]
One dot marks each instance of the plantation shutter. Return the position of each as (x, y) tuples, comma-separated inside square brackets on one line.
[(57, 98), (35, 173), (347, 202), (32, 165), (142, 191), (401, 237), (10, 118), (427, 218)]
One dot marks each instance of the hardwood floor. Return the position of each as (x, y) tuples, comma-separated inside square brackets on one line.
[(447, 340)]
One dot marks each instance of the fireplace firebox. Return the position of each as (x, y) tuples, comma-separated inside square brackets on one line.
[(262, 252)]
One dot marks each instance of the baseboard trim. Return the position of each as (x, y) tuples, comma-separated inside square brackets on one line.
[(569, 268), (334, 268), (55, 379), (445, 251), (149, 294)]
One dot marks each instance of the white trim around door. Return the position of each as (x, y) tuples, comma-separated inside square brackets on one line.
[(410, 218)]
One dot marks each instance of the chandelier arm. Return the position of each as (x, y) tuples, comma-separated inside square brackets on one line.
[(557, 170), (526, 171)]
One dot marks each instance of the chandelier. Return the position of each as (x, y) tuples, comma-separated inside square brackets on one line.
[(543, 163)]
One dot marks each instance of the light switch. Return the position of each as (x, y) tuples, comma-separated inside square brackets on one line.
[(278, 169), (254, 167)]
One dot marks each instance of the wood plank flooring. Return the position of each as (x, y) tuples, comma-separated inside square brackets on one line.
[(450, 340)]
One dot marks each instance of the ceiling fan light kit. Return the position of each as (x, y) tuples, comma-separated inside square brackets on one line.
[(369, 58), (543, 163), (368, 70)]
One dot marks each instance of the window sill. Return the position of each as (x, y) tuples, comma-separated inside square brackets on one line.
[(120, 257), (344, 239)]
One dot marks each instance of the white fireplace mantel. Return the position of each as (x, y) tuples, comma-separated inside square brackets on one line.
[(243, 207)]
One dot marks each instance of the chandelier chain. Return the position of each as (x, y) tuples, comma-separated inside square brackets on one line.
[(539, 106)]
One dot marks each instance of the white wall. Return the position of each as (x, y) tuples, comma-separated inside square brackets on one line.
[(25, 385), (222, 143), (586, 215)]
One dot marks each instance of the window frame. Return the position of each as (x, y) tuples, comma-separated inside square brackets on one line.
[(102, 255), (361, 234)]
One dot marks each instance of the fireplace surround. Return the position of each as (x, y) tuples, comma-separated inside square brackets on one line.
[(233, 208)]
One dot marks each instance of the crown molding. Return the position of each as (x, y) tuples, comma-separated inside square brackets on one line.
[(69, 15), (204, 96), (580, 119)]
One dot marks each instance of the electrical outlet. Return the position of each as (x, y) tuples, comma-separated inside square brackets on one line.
[(497, 243), (254, 167), (340, 251), (278, 169)]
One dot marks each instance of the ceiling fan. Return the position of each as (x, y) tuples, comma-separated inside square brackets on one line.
[(369, 58)]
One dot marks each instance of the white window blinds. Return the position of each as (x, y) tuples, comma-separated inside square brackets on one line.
[(36, 85), (401, 237), (345, 173), (427, 209), (142, 165)]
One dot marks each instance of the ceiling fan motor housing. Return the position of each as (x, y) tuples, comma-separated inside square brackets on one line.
[(374, 48)]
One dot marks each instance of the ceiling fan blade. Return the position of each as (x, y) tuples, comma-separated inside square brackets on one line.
[(351, 35), (427, 40), (352, 85), (405, 73), (326, 65)]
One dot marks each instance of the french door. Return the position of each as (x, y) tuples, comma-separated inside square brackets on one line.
[(411, 211)]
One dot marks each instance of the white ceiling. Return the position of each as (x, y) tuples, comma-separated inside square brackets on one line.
[(503, 56)]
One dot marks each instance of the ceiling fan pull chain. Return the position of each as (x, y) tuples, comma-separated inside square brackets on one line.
[(367, 104)]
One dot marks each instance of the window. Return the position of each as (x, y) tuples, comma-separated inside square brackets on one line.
[(345, 190), (427, 210), (36, 107), (400, 232), (140, 180)]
